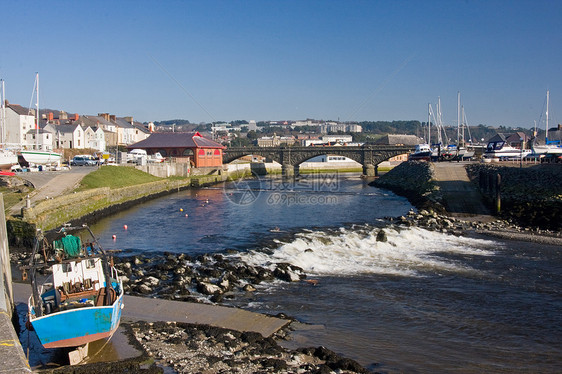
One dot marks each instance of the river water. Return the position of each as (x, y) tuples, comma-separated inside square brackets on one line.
[(421, 302)]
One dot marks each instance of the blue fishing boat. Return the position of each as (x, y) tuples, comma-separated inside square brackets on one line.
[(81, 300)]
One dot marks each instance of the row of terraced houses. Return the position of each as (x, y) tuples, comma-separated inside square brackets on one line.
[(59, 130)]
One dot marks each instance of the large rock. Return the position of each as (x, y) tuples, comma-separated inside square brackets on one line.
[(208, 288)]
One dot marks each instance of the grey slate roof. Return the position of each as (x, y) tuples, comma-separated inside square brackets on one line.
[(122, 123), (66, 128), (176, 140), (19, 109)]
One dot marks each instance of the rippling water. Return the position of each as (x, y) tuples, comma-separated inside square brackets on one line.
[(420, 302)]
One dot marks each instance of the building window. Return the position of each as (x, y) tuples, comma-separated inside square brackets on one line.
[(163, 152), (188, 152)]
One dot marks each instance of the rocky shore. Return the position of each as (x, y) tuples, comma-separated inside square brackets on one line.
[(188, 348), (413, 180), (531, 197)]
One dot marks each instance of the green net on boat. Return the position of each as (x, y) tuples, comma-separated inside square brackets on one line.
[(70, 244)]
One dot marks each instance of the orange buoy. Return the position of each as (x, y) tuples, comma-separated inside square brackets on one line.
[(181, 209)]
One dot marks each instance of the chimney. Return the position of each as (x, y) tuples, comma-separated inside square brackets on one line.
[(559, 127), (104, 115), (129, 119), (51, 116), (112, 117), (76, 116)]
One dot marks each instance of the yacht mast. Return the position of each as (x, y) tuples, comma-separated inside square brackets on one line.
[(37, 113), (429, 124), (458, 118), (546, 133), (3, 122)]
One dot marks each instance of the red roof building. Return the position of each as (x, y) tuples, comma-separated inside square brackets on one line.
[(184, 147)]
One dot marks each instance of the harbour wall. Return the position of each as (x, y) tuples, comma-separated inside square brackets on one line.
[(529, 196), (413, 180)]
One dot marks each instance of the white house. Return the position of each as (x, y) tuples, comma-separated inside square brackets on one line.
[(95, 138), (18, 122), (70, 136), (42, 139)]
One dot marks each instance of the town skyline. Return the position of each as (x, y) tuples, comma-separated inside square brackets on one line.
[(348, 61)]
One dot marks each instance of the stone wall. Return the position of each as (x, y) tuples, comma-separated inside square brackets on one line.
[(530, 196), (166, 169), (54, 212), (413, 180)]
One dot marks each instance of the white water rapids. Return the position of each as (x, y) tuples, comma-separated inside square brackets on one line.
[(407, 252)]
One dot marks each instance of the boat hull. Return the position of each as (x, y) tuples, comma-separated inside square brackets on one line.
[(76, 327), (40, 157), (7, 160), (425, 156)]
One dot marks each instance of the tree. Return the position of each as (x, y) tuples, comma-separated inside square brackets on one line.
[(252, 135)]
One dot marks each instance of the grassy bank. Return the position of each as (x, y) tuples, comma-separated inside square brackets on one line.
[(115, 177)]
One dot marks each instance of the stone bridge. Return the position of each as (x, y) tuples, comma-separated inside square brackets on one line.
[(291, 157)]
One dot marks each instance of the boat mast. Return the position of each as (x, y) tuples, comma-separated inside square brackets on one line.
[(3, 122), (429, 124), (463, 124), (546, 132), (37, 113), (458, 119)]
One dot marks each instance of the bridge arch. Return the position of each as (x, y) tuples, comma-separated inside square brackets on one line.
[(291, 157)]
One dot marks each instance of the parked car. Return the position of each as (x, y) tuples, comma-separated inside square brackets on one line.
[(83, 160)]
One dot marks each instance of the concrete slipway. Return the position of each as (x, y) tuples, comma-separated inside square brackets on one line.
[(152, 310)]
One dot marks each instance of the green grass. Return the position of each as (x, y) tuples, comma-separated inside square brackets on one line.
[(115, 177), (12, 196)]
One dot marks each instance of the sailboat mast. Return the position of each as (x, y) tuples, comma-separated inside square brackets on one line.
[(429, 124), (37, 113), (546, 132), (463, 124), (3, 122), (458, 118)]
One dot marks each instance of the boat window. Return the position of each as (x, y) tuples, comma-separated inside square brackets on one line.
[(66, 268), (90, 263)]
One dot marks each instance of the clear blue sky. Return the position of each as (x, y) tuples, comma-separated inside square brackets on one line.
[(272, 60)]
